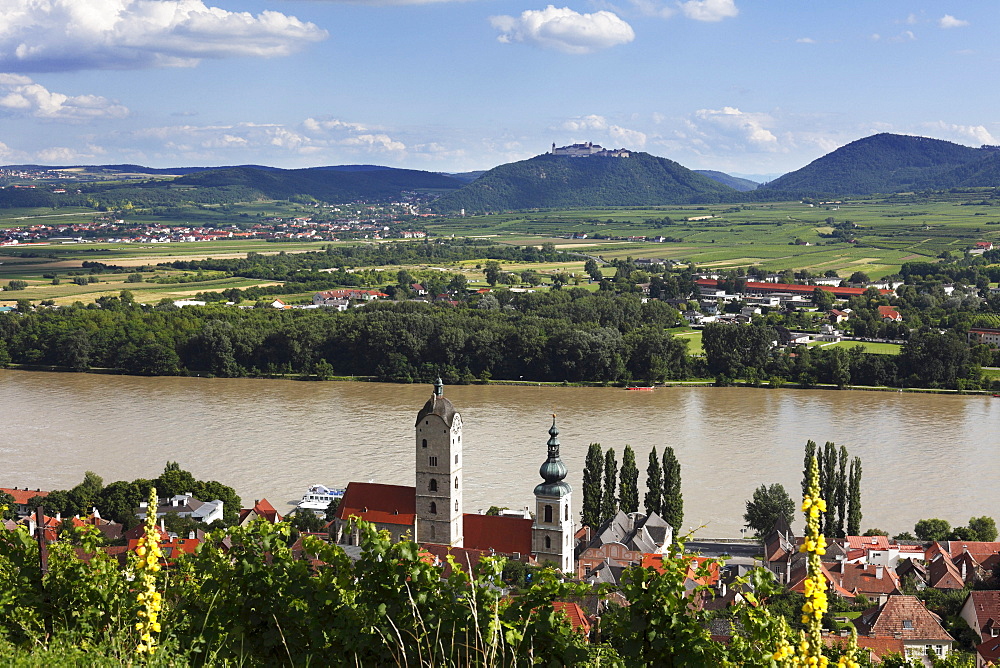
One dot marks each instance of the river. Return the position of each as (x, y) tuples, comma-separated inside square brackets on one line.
[(923, 455)]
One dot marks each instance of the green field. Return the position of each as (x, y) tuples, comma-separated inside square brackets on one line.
[(877, 348)]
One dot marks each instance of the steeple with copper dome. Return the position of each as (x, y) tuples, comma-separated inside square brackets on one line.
[(553, 532)]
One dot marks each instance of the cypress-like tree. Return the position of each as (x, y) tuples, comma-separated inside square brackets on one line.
[(810, 453), (671, 501), (590, 514), (842, 493), (609, 502), (628, 487), (829, 490), (654, 484), (854, 499)]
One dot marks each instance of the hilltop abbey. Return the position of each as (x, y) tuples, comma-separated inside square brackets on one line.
[(589, 150), (431, 512)]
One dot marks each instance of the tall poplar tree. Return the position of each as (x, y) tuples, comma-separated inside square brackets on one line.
[(829, 489), (810, 453), (609, 501), (628, 486), (590, 514), (842, 493), (654, 484), (671, 501), (854, 499)]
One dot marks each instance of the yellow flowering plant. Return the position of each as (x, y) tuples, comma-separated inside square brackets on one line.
[(147, 566)]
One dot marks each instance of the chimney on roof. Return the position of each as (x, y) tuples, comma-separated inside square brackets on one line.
[(878, 571), (191, 535), (58, 517)]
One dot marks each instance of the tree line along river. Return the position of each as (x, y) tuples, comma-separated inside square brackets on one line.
[(923, 455)]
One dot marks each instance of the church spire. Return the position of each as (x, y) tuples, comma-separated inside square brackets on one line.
[(553, 470), (438, 387)]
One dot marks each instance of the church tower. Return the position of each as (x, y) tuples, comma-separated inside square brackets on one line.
[(552, 535), (439, 471)]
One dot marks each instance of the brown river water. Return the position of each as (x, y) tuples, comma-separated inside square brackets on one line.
[(923, 455)]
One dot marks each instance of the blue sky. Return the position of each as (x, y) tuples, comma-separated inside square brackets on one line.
[(739, 86)]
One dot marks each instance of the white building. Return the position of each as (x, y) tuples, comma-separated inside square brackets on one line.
[(439, 471)]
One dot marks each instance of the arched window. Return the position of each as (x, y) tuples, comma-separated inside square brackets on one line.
[(434, 508), (433, 485), (423, 444), (548, 513), (567, 512), (456, 482), (456, 504), (548, 542)]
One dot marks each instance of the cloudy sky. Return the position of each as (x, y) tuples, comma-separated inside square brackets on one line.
[(453, 85)]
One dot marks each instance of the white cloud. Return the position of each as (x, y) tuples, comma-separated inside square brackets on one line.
[(805, 40), (949, 21), (564, 30), (905, 36), (69, 35), (653, 8), (742, 126), (19, 95), (627, 138), (592, 122), (709, 10), (68, 156), (975, 134)]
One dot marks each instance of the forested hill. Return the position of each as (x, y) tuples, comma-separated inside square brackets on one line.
[(328, 185), (887, 163), (550, 181), (743, 185)]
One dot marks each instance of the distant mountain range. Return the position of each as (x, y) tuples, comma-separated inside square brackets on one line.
[(882, 163), (889, 163)]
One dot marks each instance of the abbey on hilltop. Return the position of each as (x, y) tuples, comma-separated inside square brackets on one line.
[(431, 512), (589, 150)]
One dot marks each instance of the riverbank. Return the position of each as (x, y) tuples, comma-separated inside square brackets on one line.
[(698, 382)]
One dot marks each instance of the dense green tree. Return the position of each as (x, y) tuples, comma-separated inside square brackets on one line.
[(672, 501), (810, 453), (8, 508), (768, 505), (628, 487), (592, 269), (822, 299), (859, 277), (654, 484), (985, 528), (609, 500), (119, 502), (732, 351), (829, 489), (492, 272), (932, 529), (590, 512), (854, 498), (841, 500)]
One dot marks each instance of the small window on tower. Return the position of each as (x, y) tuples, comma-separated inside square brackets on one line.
[(456, 459), (434, 508), (456, 504), (423, 443), (433, 461), (456, 482), (548, 542), (548, 513), (567, 512), (433, 486)]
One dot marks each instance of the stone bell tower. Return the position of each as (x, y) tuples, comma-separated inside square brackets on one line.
[(552, 534), (439, 471)]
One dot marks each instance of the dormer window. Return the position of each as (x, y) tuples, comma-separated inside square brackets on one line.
[(908, 624)]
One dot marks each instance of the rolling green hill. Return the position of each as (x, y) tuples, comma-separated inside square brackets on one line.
[(887, 163), (743, 185), (550, 181), (328, 185)]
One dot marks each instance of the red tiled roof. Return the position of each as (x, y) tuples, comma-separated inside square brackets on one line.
[(21, 496), (506, 535), (868, 542), (577, 619), (877, 647), (986, 605), (864, 579), (796, 582), (989, 650), (754, 286), (172, 548), (888, 312), (888, 619), (263, 509), (378, 503)]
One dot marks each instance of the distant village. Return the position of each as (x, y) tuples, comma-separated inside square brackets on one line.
[(886, 581)]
